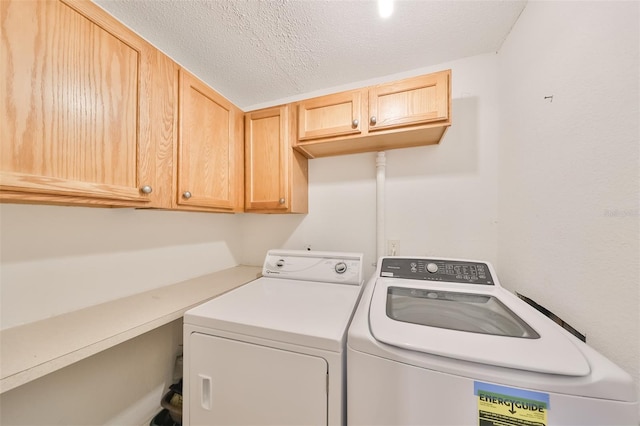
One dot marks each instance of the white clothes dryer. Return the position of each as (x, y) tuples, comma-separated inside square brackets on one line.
[(273, 352), (439, 342)]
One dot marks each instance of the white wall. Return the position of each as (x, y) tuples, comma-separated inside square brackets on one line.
[(440, 200), (58, 259), (568, 228), (341, 213)]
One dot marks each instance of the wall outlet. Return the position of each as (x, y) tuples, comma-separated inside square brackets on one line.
[(393, 247)]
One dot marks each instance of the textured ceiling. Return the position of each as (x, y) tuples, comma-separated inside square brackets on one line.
[(256, 52)]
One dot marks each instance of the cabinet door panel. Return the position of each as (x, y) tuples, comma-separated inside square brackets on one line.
[(266, 150), (72, 100), (206, 156), (329, 116), (409, 102)]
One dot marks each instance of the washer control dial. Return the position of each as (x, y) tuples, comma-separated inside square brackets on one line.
[(341, 267), (432, 267)]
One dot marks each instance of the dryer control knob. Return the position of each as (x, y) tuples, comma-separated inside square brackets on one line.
[(341, 267), (432, 267)]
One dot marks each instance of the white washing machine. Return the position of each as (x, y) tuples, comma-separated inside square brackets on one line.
[(440, 342), (273, 352)]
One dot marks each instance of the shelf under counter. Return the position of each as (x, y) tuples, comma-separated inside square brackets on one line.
[(33, 350)]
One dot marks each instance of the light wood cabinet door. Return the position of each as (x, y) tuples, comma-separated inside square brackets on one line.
[(75, 104), (401, 114), (276, 175), (412, 101), (209, 157), (332, 115)]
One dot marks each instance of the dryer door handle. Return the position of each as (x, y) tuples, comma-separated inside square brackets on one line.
[(206, 393)]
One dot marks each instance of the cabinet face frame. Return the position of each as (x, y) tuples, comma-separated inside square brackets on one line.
[(73, 182), (259, 168), (331, 115), (412, 101), (198, 132)]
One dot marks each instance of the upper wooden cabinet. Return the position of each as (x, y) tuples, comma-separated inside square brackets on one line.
[(210, 149), (330, 116), (410, 112), (94, 115), (76, 104), (409, 102), (276, 176)]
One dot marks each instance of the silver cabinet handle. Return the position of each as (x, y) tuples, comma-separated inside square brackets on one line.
[(186, 194), (146, 189), (373, 120), (355, 123), (281, 200)]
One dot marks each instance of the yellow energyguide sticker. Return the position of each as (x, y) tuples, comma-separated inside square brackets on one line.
[(506, 406)]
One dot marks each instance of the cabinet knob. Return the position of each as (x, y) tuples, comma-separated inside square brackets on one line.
[(281, 200), (146, 189), (373, 120), (186, 194), (355, 123)]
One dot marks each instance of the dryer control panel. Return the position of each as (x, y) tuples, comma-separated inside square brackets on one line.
[(327, 267), (455, 271)]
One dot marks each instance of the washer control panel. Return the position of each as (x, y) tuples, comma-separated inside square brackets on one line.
[(328, 267), (455, 271)]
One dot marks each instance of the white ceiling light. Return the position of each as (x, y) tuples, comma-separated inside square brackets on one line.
[(385, 8)]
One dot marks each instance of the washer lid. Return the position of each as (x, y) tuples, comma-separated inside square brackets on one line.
[(488, 326), (472, 312), (304, 313)]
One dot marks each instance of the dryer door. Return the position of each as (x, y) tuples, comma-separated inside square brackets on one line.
[(238, 383), (482, 326)]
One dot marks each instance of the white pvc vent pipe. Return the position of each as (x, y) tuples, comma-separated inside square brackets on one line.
[(381, 164)]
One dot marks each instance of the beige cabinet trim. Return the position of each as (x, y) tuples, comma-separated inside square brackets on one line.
[(53, 186)]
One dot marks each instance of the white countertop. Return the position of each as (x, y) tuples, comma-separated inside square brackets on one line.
[(33, 350)]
